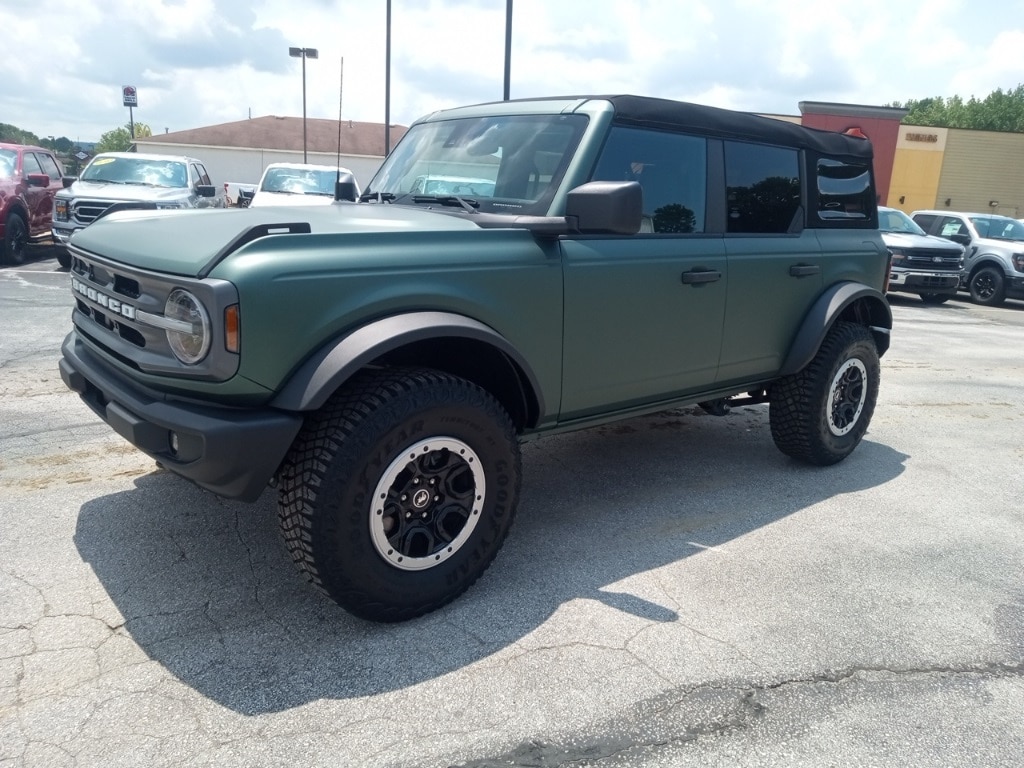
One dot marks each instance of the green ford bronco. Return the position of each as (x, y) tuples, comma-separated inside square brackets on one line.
[(378, 361)]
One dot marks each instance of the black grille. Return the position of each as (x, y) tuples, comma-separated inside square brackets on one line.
[(933, 259)]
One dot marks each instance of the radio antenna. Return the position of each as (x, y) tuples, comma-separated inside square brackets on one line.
[(341, 90)]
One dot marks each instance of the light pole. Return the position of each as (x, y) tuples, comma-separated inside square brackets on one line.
[(303, 53)]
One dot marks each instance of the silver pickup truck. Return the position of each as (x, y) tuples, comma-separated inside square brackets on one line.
[(129, 180)]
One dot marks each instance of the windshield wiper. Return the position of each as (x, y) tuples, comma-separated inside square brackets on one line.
[(378, 197), (454, 200)]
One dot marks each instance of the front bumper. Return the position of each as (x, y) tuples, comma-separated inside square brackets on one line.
[(62, 233), (233, 452), (923, 282)]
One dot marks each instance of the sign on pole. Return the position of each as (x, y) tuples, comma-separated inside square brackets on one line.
[(130, 95)]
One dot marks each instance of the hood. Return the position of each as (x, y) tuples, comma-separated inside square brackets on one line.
[(186, 242), (132, 192), (910, 241)]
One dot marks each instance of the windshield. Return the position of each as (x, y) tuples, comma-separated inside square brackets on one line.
[(505, 164), (892, 220), (137, 170), (998, 228), (8, 160), (300, 181)]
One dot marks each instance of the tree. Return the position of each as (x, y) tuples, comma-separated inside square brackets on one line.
[(14, 135), (120, 139), (999, 111)]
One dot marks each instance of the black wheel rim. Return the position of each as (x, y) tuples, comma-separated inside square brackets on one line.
[(984, 286), (847, 395), (427, 503)]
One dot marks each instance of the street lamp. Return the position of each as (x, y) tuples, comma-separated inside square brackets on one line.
[(303, 53)]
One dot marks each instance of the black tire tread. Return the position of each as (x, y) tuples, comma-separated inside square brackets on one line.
[(792, 412), (327, 434)]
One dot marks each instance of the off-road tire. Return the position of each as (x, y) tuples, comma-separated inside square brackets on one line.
[(935, 298), (12, 249), (820, 414), (988, 287), (341, 492)]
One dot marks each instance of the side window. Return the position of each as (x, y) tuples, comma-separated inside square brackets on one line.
[(844, 189), (671, 169), (952, 226), (193, 175), (203, 177), (925, 221), (29, 164), (762, 187), (49, 166)]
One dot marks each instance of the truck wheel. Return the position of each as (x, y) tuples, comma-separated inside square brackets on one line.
[(15, 239), (398, 493), (987, 287), (63, 257), (820, 414), (935, 298)]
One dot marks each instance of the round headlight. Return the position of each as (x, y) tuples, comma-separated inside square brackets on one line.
[(190, 346)]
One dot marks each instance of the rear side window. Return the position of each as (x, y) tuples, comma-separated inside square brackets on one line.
[(762, 187), (671, 168), (844, 190)]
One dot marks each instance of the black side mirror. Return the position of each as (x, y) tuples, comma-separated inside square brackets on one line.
[(206, 190), (964, 240), (67, 181), (345, 188), (609, 207)]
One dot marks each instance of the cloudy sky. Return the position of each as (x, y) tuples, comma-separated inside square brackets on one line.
[(202, 62)]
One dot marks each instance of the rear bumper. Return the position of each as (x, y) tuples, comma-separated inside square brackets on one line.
[(232, 452)]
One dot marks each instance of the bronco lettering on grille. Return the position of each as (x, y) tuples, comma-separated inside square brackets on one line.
[(109, 303)]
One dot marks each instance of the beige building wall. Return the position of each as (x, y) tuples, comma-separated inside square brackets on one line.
[(983, 172), (917, 168)]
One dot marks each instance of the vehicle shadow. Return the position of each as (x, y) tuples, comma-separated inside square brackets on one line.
[(206, 588)]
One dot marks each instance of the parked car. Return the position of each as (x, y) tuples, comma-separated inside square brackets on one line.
[(994, 251), (923, 264), (129, 180), (380, 362), (301, 184), (29, 179)]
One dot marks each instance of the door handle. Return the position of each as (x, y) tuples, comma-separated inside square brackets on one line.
[(697, 276), (803, 270)]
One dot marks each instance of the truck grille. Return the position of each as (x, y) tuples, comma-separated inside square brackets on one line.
[(87, 211), (933, 259)]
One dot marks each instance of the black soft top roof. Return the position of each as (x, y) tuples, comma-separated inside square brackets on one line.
[(650, 112)]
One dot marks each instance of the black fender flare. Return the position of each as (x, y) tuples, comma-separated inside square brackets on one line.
[(337, 361), (823, 314)]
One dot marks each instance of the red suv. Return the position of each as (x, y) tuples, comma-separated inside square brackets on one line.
[(29, 178)]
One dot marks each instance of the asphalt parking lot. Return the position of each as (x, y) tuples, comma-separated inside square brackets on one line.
[(675, 591)]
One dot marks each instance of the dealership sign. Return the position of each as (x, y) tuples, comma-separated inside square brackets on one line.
[(130, 95)]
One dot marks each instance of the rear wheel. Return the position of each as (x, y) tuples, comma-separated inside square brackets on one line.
[(820, 414), (399, 492), (987, 287), (15, 240), (935, 298)]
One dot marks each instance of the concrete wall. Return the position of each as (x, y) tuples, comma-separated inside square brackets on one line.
[(917, 167), (983, 171)]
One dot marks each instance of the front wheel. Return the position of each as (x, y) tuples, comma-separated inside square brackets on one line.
[(12, 249), (987, 287), (935, 298), (820, 414), (399, 492)]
